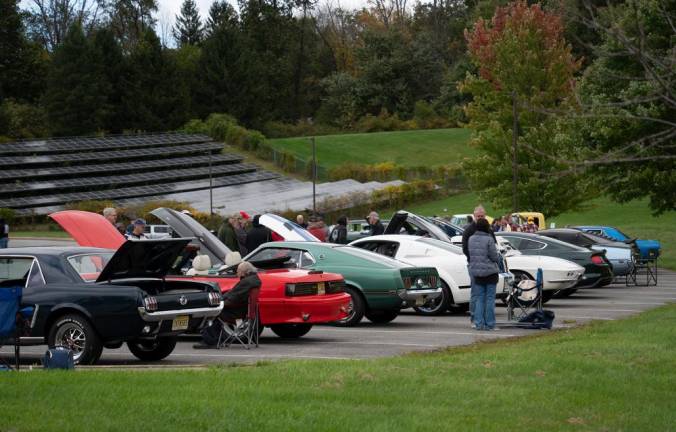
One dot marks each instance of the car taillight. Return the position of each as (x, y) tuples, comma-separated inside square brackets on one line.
[(596, 259), (150, 303), (214, 299)]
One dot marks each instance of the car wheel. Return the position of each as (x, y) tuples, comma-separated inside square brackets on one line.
[(291, 331), (77, 334), (355, 310), (152, 350), (382, 316), (438, 305), (565, 293)]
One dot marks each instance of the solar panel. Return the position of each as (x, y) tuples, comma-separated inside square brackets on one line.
[(126, 167), (107, 156), (91, 183), (135, 191), (72, 145)]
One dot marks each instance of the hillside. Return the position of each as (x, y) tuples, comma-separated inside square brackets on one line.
[(409, 148)]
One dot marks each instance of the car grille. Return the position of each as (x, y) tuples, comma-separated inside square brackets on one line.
[(420, 278)]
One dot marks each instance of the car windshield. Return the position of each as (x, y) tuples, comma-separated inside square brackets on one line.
[(89, 266), (441, 245)]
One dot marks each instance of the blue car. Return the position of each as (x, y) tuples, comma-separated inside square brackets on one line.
[(649, 249)]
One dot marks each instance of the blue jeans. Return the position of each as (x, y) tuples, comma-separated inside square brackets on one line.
[(472, 298), (484, 306), (3, 242)]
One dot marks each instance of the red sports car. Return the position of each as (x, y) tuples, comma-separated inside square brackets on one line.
[(290, 301)]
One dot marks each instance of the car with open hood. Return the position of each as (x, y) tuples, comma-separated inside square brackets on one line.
[(291, 301), (87, 299)]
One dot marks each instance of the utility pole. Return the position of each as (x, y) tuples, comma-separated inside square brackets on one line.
[(211, 188), (314, 176), (515, 132)]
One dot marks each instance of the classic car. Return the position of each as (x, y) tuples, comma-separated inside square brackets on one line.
[(90, 298), (618, 253), (359, 228), (290, 301), (464, 218), (378, 286), (448, 259), (449, 228), (598, 271), (648, 249)]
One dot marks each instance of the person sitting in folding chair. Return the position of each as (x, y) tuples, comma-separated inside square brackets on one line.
[(235, 305)]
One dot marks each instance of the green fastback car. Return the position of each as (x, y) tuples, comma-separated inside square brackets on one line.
[(379, 286)]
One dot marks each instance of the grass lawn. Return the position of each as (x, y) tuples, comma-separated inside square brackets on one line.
[(41, 234), (633, 218), (606, 376), (409, 148)]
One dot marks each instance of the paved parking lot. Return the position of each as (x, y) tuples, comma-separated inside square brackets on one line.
[(407, 333)]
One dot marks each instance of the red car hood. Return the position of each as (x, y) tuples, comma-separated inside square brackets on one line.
[(89, 229)]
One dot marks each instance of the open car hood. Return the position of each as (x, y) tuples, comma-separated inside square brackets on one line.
[(143, 259), (89, 229), (415, 225), (186, 226), (285, 228)]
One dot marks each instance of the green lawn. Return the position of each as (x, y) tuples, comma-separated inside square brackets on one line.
[(41, 234), (409, 148), (608, 376), (633, 218)]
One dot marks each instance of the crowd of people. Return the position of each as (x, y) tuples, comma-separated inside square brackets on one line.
[(508, 223)]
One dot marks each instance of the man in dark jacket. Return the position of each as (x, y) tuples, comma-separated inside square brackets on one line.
[(377, 227), (257, 235), (339, 232), (479, 213), (235, 305), (228, 235)]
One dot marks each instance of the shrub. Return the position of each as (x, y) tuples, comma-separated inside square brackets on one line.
[(301, 128), (7, 214), (20, 120)]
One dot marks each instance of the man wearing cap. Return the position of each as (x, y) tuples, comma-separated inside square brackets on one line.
[(530, 227), (138, 226)]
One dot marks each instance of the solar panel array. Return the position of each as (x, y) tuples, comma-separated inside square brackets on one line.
[(46, 173)]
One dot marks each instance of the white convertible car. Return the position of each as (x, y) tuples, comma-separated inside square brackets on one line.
[(448, 260)]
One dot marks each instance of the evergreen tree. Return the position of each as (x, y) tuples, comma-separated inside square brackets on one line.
[(114, 69), (221, 13), (76, 93), (188, 28)]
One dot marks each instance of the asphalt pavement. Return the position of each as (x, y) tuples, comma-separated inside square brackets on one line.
[(408, 333)]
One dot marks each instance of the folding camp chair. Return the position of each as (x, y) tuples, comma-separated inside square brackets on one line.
[(643, 269), (243, 331), (524, 298), (10, 299)]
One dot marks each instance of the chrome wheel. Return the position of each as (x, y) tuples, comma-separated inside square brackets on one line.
[(71, 336)]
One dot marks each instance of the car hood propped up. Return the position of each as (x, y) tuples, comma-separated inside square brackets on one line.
[(89, 229), (143, 259)]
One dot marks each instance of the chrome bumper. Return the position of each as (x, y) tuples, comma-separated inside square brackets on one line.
[(413, 295), (171, 314)]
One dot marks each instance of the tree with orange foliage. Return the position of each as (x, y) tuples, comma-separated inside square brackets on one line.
[(521, 54)]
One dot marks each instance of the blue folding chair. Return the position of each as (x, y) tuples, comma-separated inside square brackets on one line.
[(10, 300)]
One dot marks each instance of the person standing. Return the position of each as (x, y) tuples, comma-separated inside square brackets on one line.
[(317, 228), (137, 231), (227, 233), (339, 233), (377, 227), (111, 215), (4, 233), (240, 232), (530, 226), (300, 220), (257, 234), (483, 267), (470, 229)]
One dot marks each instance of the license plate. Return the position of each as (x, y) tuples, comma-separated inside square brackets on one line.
[(420, 301), (321, 288), (180, 323)]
